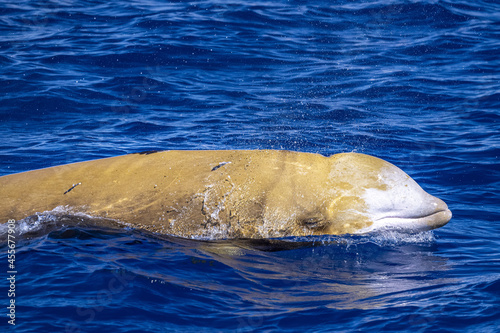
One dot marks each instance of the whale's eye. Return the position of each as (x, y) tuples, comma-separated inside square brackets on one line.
[(314, 222)]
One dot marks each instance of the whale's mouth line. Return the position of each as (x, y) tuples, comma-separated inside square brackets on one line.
[(413, 217)]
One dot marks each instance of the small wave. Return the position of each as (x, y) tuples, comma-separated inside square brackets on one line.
[(381, 238), (59, 217), (36, 222), (391, 237)]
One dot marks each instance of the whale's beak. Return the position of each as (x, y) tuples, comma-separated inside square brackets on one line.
[(400, 203), (440, 215), (426, 212), (385, 198)]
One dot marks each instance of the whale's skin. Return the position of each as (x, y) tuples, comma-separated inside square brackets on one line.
[(223, 194)]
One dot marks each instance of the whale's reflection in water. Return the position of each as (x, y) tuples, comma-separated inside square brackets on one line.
[(339, 272)]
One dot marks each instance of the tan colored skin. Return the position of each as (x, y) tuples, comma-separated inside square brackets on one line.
[(259, 194)]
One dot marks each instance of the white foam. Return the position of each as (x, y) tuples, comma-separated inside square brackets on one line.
[(393, 237), (42, 220)]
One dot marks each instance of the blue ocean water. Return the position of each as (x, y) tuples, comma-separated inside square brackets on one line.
[(415, 83)]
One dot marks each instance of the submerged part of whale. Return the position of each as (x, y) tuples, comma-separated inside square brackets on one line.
[(231, 194)]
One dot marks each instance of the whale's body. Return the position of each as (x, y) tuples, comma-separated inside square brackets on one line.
[(231, 194)]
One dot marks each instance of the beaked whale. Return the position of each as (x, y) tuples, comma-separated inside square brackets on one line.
[(227, 194)]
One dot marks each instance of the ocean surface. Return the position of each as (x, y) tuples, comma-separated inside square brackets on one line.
[(416, 83)]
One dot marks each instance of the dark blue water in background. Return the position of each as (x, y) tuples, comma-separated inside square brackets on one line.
[(415, 83)]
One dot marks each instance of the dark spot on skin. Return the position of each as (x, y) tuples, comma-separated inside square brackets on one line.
[(72, 187), (314, 222), (218, 166), (149, 152)]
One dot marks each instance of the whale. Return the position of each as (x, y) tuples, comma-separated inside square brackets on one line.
[(229, 194)]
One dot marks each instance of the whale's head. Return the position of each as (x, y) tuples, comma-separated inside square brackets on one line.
[(371, 194)]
